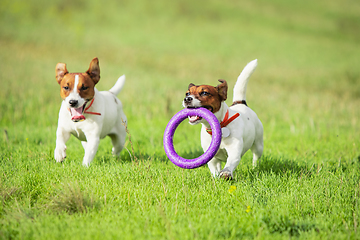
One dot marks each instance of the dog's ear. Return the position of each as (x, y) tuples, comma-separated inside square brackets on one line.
[(222, 89), (94, 70), (191, 85), (60, 71)]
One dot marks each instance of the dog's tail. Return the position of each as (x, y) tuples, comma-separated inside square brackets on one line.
[(118, 85), (242, 81)]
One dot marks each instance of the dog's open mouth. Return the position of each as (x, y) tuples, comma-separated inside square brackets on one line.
[(77, 113), (196, 119)]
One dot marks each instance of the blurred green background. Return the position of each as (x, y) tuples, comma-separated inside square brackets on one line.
[(305, 90)]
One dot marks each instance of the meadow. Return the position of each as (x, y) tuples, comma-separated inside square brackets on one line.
[(305, 90)]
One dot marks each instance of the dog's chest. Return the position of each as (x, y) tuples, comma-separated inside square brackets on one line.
[(78, 129), (79, 134)]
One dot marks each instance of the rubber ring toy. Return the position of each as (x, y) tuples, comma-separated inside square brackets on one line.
[(169, 135)]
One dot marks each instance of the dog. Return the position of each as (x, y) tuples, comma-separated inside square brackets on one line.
[(241, 128), (88, 114)]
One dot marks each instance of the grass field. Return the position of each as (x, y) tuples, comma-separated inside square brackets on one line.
[(306, 91)]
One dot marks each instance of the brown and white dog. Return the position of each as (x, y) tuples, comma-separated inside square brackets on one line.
[(241, 128), (88, 114)]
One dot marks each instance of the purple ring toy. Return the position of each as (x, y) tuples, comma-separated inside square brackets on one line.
[(169, 135)]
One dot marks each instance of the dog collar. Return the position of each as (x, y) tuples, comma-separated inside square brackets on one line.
[(225, 121), (94, 113), (80, 117), (240, 102)]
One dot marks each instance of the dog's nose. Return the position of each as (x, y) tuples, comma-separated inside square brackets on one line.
[(73, 103), (188, 99)]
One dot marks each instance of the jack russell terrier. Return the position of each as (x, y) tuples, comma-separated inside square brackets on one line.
[(88, 114), (241, 128)]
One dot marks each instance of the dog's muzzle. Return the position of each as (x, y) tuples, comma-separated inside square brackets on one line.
[(73, 103), (188, 100)]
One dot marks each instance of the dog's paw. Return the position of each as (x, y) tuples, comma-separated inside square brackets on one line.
[(86, 164), (115, 151), (60, 154), (86, 161), (226, 174)]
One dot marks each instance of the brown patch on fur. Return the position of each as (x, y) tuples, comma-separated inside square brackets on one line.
[(94, 70), (85, 87), (222, 89), (209, 96), (87, 80), (60, 71)]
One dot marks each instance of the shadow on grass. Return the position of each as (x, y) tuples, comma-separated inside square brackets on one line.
[(285, 167), (283, 224), (281, 166)]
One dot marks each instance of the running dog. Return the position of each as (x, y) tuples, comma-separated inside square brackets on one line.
[(87, 113), (241, 128)]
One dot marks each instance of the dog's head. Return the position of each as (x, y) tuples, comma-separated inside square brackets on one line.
[(77, 88), (205, 96)]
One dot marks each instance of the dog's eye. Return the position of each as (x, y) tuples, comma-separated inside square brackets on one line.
[(83, 88), (187, 94), (204, 94), (66, 88)]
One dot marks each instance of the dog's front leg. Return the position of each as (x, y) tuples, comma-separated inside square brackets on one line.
[(234, 151), (91, 148), (215, 163), (62, 137), (214, 166)]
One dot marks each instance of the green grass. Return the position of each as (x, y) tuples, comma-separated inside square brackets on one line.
[(305, 90)]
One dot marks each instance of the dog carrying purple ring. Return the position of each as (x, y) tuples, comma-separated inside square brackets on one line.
[(169, 135)]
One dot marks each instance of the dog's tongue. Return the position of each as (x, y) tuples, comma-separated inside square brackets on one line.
[(76, 114), (194, 118)]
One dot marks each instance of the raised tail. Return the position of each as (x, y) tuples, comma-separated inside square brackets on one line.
[(242, 81), (118, 85)]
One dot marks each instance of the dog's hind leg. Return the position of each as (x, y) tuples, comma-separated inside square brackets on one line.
[(118, 142), (257, 150), (118, 136)]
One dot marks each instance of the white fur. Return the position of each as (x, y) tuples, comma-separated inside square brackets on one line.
[(195, 102), (111, 122), (74, 95), (242, 81), (118, 85), (246, 131)]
